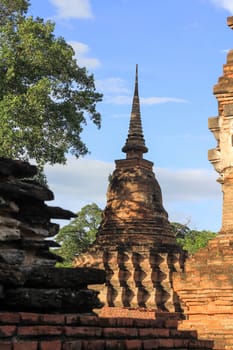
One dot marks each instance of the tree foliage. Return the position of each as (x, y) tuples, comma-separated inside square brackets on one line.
[(191, 240), (45, 96), (77, 236)]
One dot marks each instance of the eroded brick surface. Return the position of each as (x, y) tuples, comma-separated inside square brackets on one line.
[(206, 286)]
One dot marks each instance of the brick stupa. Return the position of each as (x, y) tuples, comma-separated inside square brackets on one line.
[(135, 243), (206, 286)]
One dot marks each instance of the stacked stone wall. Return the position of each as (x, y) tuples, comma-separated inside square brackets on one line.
[(29, 279)]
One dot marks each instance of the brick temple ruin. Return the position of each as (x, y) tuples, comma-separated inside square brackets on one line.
[(155, 297), (48, 308), (135, 244), (206, 286)]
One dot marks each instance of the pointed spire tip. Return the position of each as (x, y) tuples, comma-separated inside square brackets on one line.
[(136, 82), (135, 143)]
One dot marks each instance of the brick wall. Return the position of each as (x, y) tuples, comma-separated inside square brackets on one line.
[(33, 331), (205, 290)]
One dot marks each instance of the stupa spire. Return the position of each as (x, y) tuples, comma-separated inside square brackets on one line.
[(135, 143)]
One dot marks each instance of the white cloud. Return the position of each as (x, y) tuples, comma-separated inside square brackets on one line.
[(116, 92), (188, 184), (125, 100), (225, 50), (73, 8), (79, 182), (83, 181), (188, 194), (159, 100), (225, 4), (81, 51)]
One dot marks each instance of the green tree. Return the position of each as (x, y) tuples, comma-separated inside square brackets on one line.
[(191, 240), (179, 229), (77, 236), (45, 97)]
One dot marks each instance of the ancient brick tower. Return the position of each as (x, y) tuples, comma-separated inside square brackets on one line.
[(135, 243), (134, 210), (222, 127), (205, 287)]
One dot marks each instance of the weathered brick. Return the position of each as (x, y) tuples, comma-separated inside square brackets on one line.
[(51, 345), (133, 344), (126, 313), (9, 317), (7, 331), (108, 321), (181, 343), (149, 344), (115, 344), (25, 345), (29, 318), (165, 343), (83, 331), (124, 322), (145, 323), (53, 319), (93, 344), (174, 333), (90, 320), (72, 319), (72, 345), (120, 332), (39, 330), (190, 334), (202, 344), (5, 345), (153, 332), (171, 323)]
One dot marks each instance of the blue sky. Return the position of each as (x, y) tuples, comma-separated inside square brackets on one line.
[(180, 47)]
